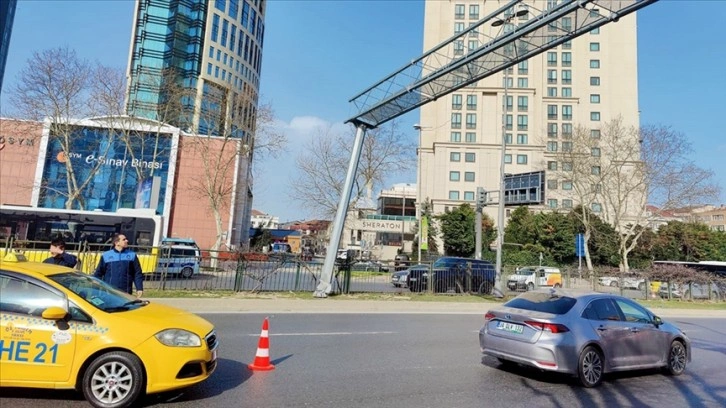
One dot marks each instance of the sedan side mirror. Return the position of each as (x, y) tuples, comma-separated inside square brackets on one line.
[(657, 321)]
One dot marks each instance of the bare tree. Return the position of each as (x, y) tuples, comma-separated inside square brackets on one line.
[(226, 150), (55, 86), (322, 167), (616, 170)]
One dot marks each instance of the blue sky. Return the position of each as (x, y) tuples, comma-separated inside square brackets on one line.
[(318, 54)]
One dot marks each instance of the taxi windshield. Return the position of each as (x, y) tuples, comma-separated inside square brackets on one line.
[(96, 292)]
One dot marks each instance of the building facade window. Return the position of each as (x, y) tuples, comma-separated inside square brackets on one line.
[(594, 98), (567, 130), (552, 165), (552, 76), (508, 138), (595, 64), (522, 122), (595, 81), (552, 112), (551, 146), (566, 92), (595, 170), (567, 185), (469, 195), (522, 139), (595, 46), (473, 11), (595, 116), (552, 91), (566, 77), (454, 176), (552, 203), (456, 120), (471, 120), (470, 157), (522, 103), (456, 102), (566, 112), (522, 83), (454, 156), (566, 203), (508, 158), (459, 10), (453, 195), (471, 102), (595, 133), (595, 152), (567, 59), (552, 184), (455, 137), (470, 137), (552, 130), (521, 159), (567, 147), (469, 176), (596, 207), (523, 68), (551, 59)]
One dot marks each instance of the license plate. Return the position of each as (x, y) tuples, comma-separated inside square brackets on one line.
[(510, 327)]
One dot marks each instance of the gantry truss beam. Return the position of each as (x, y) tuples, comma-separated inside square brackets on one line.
[(449, 66)]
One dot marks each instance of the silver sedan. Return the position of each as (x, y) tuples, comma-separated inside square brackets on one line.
[(584, 334)]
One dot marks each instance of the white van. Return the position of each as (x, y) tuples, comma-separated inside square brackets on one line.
[(182, 260)]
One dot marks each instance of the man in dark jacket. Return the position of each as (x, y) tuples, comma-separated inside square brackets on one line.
[(120, 267), (59, 254)]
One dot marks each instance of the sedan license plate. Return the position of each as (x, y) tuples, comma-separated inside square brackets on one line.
[(510, 327)]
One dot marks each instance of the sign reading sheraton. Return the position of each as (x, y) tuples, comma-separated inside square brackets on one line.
[(385, 225)]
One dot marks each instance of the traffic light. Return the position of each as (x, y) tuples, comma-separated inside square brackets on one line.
[(481, 197)]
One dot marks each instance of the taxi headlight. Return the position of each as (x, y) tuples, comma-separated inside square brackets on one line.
[(178, 338)]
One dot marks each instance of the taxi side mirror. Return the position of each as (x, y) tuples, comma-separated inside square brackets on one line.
[(54, 313)]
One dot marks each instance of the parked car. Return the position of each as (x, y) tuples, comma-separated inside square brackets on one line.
[(693, 290), (369, 266), (530, 277), (629, 281), (399, 279), (583, 334), (400, 262), (72, 331), (459, 274)]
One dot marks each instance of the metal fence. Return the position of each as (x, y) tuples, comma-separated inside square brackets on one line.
[(262, 272)]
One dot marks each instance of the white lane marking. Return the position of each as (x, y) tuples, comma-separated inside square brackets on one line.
[(325, 334)]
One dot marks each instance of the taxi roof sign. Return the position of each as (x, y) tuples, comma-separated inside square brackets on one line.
[(15, 256)]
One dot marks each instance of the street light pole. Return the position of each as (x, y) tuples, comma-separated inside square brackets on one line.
[(500, 216), (419, 204)]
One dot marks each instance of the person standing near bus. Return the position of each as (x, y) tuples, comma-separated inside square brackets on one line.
[(120, 267), (59, 256)]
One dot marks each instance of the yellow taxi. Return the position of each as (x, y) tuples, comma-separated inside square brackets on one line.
[(63, 329)]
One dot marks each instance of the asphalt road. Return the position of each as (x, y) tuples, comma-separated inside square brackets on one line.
[(408, 361)]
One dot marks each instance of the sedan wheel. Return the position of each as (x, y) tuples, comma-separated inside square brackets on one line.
[(676, 358), (113, 380), (590, 367)]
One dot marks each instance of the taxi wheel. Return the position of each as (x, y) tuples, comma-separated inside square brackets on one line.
[(113, 380), (187, 272)]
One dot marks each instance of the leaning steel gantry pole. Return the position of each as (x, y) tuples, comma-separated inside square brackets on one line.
[(325, 285), (447, 68)]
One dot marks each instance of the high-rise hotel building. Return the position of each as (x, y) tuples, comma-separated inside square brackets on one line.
[(195, 64), (584, 82)]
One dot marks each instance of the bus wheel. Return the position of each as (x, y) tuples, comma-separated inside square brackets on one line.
[(187, 272)]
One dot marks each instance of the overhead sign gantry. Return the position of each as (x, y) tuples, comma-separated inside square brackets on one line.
[(449, 67)]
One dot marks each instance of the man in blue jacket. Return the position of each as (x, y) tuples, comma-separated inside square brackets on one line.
[(59, 256), (120, 267)]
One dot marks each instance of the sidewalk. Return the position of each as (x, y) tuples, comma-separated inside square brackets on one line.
[(328, 305)]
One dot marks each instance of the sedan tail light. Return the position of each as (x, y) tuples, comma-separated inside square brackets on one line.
[(489, 316), (550, 327)]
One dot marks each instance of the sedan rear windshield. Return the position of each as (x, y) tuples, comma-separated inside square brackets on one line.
[(542, 302)]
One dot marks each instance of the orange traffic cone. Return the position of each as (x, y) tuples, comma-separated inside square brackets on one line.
[(262, 358)]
